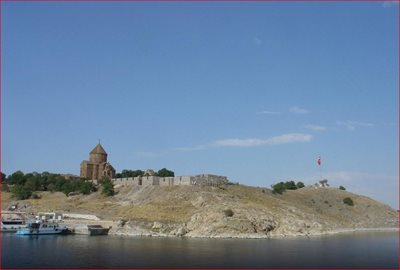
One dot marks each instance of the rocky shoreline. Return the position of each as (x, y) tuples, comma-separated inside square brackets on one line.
[(219, 212), (256, 236)]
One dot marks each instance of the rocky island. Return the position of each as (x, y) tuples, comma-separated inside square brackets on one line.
[(225, 211), (162, 204)]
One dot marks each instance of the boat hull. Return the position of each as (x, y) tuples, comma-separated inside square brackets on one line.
[(30, 232), (103, 231), (5, 229)]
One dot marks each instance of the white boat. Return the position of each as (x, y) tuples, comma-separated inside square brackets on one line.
[(12, 225), (38, 228)]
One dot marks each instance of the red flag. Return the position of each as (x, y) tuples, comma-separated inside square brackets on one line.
[(319, 161)]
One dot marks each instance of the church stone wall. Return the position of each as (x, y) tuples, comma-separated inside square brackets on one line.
[(97, 166)]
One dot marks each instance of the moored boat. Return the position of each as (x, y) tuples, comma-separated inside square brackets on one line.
[(38, 228), (91, 230), (98, 230), (12, 225)]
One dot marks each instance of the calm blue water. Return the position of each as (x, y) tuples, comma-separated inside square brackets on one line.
[(355, 250)]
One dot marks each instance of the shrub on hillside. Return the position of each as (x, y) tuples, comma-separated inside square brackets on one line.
[(67, 188), (278, 188), (348, 201), (228, 212), (21, 192), (342, 188), (282, 186), (25, 184), (108, 187), (300, 185), (291, 185), (86, 187)]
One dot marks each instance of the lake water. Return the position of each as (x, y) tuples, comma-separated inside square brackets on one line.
[(351, 250)]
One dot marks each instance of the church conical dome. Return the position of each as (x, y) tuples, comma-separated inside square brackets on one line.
[(98, 154), (98, 150)]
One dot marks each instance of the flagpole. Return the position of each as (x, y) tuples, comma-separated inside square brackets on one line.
[(320, 171), (319, 163)]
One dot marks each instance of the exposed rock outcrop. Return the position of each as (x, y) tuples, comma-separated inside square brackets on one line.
[(228, 211)]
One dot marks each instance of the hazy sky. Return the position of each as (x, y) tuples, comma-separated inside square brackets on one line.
[(253, 91)]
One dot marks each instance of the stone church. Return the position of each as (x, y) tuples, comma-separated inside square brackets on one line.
[(97, 166)]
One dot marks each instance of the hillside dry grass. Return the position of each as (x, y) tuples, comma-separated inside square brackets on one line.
[(204, 209), (150, 203)]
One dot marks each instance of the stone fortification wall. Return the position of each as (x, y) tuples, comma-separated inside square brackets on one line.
[(201, 180), (166, 181), (183, 180), (210, 180)]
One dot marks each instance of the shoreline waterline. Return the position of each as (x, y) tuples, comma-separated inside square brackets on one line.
[(256, 236)]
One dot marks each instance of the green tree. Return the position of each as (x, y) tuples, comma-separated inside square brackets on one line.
[(342, 188), (21, 192), (16, 178), (58, 182), (300, 185), (278, 188), (137, 173), (86, 187), (348, 201), (51, 187), (44, 181), (3, 177), (290, 185), (164, 172), (108, 187), (125, 173), (30, 184), (67, 187), (282, 186), (129, 173)]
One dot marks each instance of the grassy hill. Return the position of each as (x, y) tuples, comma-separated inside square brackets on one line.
[(227, 211)]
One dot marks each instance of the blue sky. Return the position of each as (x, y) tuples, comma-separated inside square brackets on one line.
[(253, 91)]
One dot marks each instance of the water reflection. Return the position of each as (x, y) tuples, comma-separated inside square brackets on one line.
[(372, 250)]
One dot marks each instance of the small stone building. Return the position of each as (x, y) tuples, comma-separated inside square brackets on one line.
[(97, 166)]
